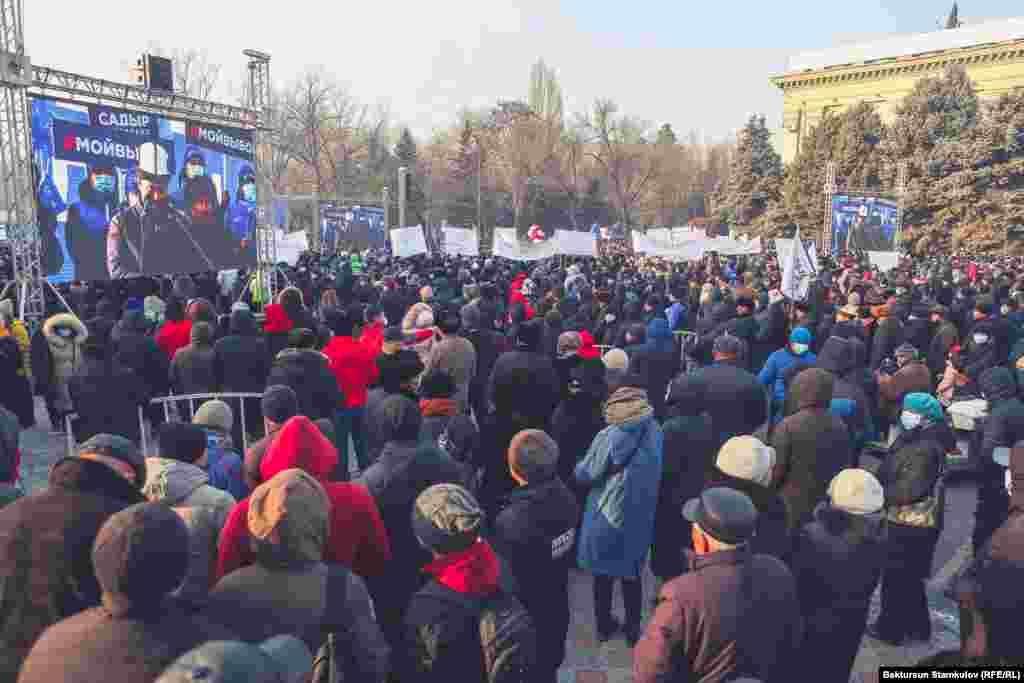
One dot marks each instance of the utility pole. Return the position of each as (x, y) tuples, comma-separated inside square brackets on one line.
[(403, 173), (385, 200)]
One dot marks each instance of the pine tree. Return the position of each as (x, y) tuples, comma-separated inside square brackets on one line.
[(666, 136), (755, 176), (405, 150)]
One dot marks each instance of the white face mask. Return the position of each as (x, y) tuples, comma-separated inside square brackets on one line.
[(910, 420), (1009, 482), (800, 349), (980, 339), (1005, 310)]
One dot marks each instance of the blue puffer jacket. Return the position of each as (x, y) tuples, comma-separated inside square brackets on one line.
[(773, 374), (224, 466), (618, 519)]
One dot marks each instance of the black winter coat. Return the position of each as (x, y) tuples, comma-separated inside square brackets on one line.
[(837, 562), (773, 536), (306, 371), (888, 337), (535, 533), (240, 363), (734, 399), (135, 350), (576, 422), (688, 456), (106, 396), (1005, 424)]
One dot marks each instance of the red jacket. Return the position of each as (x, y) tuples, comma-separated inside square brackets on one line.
[(373, 337), (356, 538), (355, 368), (174, 335), (276, 319)]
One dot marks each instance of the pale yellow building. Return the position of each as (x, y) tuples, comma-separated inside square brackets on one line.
[(883, 72)]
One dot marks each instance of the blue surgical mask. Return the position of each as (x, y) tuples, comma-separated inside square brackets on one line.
[(249, 193), (800, 349), (104, 183), (910, 420), (195, 170)]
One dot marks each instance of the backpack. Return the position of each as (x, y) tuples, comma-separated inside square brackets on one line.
[(508, 637)]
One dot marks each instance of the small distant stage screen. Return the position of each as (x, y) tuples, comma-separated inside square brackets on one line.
[(863, 223), (124, 193), (344, 226)]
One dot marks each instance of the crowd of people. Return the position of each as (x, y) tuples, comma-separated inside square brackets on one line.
[(434, 445)]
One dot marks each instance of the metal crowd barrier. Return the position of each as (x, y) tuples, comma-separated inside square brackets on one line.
[(170, 404)]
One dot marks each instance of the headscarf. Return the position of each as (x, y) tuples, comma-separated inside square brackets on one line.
[(925, 405)]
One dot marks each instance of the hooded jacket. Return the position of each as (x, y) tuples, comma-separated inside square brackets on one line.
[(192, 367), (811, 446), (308, 373), (356, 537), (658, 359), (355, 369), (241, 361), (135, 634), (182, 484), (65, 334), (838, 357), (1005, 424), (455, 355), (174, 335), (837, 562), (292, 590), (136, 350), (45, 539)]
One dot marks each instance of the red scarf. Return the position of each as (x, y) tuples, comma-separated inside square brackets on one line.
[(472, 571)]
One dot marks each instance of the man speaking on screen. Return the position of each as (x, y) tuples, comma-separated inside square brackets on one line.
[(150, 236)]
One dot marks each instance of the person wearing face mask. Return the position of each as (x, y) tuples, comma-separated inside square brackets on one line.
[(911, 376), (944, 339), (241, 217), (981, 352), (85, 232), (772, 375), (999, 332)]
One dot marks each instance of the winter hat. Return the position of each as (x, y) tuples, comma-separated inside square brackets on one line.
[(300, 444), (616, 359), (140, 555), (727, 344), (134, 305), (906, 350), (154, 307), (395, 418), (569, 343), (215, 414), (281, 659), (856, 491), (288, 518), (460, 439), (533, 455), (181, 441), (279, 403), (924, 404), (447, 518), (119, 448), (746, 458), (800, 335), (437, 384), (398, 368)]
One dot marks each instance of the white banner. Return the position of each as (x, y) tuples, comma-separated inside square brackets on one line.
[(572, 243), (461, 242), (884, 260), (692, 250), (407, 242), (798, 269), (729, 247), (289, 247), (507, 244)]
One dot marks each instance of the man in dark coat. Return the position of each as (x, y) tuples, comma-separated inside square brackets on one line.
[(141, 555), (489, 345), (944, 339), (46, 538), (837, 358), (888, 335), (240, 364), (105, 395), (656, 361), (811, 446), (724, 605), (1004, 427), (305, 370), (138, 352), (837, 561), (535, 532), (733, 397)]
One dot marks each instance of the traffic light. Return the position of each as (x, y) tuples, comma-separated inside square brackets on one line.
[(154, 73)]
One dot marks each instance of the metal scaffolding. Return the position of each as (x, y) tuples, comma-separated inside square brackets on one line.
[(19, 79)]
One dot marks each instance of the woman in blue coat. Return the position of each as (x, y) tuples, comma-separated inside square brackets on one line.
[(622, 469)]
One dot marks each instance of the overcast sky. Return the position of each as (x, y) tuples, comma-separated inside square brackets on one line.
[(701, 66)]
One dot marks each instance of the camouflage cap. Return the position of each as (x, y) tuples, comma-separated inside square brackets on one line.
[(446, 518)]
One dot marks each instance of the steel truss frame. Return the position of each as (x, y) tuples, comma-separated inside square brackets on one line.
[(19, 79)]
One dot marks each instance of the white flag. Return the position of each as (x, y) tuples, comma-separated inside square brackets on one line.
[(797, 271)]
